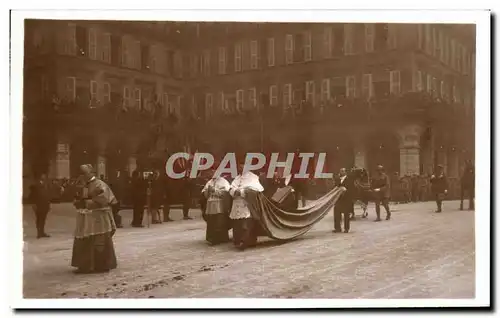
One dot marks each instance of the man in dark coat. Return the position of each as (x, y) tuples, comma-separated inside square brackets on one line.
[(381, 191), (116, 184), (467, 185), (157, 196), (40, 193), (439, 185), (345, 205), (138, 194)]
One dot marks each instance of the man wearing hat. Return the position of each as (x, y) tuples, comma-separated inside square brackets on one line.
[(439, 185), (93, 249), (382, 192)]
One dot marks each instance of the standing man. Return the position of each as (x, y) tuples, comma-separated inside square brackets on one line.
[(138, 195), (382, 192), (439, 185), (157, 197), (344, 206), (414, 187), (40, 194), (116, 186), (467, 185)]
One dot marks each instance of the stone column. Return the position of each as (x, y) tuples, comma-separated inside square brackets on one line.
[(60, 164), (409, 149), (360, 154)]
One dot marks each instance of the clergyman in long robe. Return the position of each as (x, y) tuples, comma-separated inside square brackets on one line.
[(93, 249), (216, 213), (244, 226)]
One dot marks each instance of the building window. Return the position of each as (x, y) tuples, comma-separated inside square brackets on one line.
[(367, 86), (395, 82), (126, 96), (165, 105), (178, 64), (106, 93), (208, 106), (420, 36), (455, 94), (428, 39), (125, 52), (369, 37), (221, 101), (348, 39), (289, 49), (441, 46), (446, 50), (137, 98), (44, 83), (70, 88), (325, 90), (327, 42), (222, 60), (252, 98), (435, 45), (237, 57), (442, 90), (106, 47), (206, 63), (270, 51), (93, 44), (193, 65), (453, 54), (392, 39), (254, 55), (273, 95), (418, 85), (307, 46), (287, 94), (310, 92), (68, 39), (350, 86), (240, 102), (434, 87)]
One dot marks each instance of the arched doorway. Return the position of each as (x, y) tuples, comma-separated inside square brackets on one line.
[(383, 149)]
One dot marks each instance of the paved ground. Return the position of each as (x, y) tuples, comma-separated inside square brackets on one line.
[(418, 254)]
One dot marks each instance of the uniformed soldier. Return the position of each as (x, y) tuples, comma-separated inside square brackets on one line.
[(382, 192), (439, 184)]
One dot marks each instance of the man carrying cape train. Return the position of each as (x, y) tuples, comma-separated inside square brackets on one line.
[(244, 227), (216, 212)]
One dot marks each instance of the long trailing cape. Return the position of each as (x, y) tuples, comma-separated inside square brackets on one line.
[(279, 224)]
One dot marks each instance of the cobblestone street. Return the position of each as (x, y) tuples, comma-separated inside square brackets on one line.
[(417, 254)]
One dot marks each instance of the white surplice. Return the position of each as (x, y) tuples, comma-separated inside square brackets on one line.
[(218, 187), (242, 183)]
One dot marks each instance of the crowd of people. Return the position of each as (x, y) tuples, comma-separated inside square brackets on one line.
[(225, 205)]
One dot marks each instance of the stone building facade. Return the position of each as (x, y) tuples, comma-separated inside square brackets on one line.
[(401, 95)]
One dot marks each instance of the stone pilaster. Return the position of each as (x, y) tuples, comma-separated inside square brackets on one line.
[(360, 153), (60, 164), (409, 149), (102, 142)]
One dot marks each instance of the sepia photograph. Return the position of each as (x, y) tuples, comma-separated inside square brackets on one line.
[(273, 156)]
